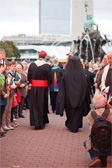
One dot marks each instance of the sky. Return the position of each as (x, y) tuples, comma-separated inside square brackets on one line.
[(21, 17)]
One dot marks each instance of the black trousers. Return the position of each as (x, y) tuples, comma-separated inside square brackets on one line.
[(21, 104), (2, 109), (13, 112), (53, 96)]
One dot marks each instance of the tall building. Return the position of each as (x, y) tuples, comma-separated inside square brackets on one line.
[(65, 17)]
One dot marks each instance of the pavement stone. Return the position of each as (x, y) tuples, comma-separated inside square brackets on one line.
[(53, 147)]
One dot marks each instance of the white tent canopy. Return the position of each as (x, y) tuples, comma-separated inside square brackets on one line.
[(60, 52)]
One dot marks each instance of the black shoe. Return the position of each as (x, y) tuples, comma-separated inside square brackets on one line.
[(53, 111), (24, 108), (3, 132), (41, 127), (21, 116), (2, 135), (37, 127), (16, 117)]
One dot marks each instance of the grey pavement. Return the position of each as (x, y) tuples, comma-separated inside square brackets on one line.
[(53, 147)]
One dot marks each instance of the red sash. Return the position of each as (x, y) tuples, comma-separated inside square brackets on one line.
[(39, 83)]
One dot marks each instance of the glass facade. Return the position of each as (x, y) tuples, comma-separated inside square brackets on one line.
[(55, 16)]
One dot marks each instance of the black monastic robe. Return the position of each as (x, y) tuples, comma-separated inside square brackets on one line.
[(74, 94), (39, 75)]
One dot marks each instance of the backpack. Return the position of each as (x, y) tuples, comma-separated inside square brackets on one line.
[(101, 131)]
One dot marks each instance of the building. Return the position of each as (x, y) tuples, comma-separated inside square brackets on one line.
[(55, 16)]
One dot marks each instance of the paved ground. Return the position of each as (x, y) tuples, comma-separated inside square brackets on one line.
[(53, 147)]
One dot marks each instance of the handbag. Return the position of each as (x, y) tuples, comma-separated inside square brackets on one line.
[(14, 102), (18, 96)]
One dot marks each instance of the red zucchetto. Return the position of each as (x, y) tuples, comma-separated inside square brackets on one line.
[(42, 53)]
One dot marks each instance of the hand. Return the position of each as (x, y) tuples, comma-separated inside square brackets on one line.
[(22, 85), (6, 96), (2, 68), (96, 85), (105, 94), (12, 86), (9, 76), (17, 83)]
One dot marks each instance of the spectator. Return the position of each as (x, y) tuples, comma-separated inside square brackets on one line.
[(100, 72), (4, 94), (7, 114), (14, 75), (54, 86), (90, 79), (23, 83), (2, 81), (96, 155), (98, 61), (106, 85)]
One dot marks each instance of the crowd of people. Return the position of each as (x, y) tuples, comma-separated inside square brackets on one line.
[(71, 88), (12, 93)]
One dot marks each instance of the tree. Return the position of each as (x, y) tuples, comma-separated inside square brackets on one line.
[(10, 49)]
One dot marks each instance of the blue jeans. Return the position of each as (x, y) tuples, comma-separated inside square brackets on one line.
[(94, 153)]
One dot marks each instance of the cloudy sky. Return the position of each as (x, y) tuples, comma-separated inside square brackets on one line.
[(21, 17)]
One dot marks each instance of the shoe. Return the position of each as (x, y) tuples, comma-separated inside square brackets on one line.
[(24, 108), (53, 111), (21, 116), (10, 128), (16, 124), (2, 135), (13, 124), (109, 161), (96, 162), (57, 113), (16, 117), (37, 127), (42, 127), (5, 128), (2, 131)]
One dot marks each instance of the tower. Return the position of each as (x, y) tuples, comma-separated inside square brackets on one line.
[(79, 16)]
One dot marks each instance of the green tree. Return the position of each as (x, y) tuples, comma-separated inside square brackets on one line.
[(10, 49)]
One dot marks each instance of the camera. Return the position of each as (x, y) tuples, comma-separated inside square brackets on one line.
[(1, 62)]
